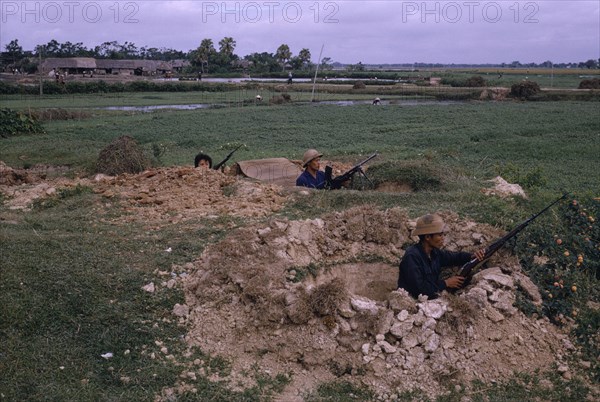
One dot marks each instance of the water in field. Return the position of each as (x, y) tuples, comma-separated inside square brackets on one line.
[(157, 107), (281, 80), (386, 102), (326, 102)]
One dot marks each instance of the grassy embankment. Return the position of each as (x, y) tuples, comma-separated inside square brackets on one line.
[(71, 280)]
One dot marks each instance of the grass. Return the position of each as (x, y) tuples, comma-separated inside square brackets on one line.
[(237, 96), (71, 280), (470, 141), (71, 291)]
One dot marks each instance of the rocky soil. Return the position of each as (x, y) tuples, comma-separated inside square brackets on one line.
[(253, 303)]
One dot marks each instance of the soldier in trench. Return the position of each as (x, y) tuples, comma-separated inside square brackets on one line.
[(202, 160), (422, 263), (312, 176)]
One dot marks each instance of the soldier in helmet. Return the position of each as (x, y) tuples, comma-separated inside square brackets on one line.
[(422, 263), (312, 176)]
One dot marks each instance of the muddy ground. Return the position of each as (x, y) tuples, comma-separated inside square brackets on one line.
[(315, 300)]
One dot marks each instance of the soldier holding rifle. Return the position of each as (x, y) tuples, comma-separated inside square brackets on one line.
[(422, 263), (312, 177)]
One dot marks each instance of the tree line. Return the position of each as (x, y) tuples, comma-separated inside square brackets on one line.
[(206, 58)]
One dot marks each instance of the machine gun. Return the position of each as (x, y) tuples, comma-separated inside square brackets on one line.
[(336, 183), (467, 269), (224, 161)]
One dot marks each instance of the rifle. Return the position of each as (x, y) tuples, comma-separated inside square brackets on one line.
[(220, 164), (336, 183), (467, 269)]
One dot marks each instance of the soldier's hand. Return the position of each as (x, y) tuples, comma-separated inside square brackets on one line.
[(455, 282), (479, 254)]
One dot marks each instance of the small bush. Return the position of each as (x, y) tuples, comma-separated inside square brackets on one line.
[(13, 123), (123, 155), (524, 90), (418, 175), (475, 81), (280, 99), (562, 256), (594, 83)]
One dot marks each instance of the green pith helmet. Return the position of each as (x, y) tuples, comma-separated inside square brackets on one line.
[(309, 156)]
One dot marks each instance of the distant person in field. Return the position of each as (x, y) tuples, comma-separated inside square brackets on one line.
[(312, 177), (376, 101), (203, 161), (289, 81), (422, 263)]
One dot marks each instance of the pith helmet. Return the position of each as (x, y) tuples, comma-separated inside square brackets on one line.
[(429, 224), (309, 156)]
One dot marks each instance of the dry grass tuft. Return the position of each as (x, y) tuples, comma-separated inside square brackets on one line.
[(123, 155), (326, 298), (462, 316)]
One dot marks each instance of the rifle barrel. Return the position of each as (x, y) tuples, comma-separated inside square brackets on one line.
[(218, 165), (466, 269)]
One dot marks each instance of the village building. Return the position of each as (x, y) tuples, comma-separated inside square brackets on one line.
[(83, 65)]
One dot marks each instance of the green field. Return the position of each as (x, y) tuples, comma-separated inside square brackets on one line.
[(70, 287), (469, 140)]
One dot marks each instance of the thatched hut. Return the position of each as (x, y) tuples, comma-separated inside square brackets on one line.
[(131, 67), (71, 65)]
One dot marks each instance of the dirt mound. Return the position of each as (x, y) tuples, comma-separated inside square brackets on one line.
[(12, 177), (315, 299), (23, 186), (156, 195), (180, 193)]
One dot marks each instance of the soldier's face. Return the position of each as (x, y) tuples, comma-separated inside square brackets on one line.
[(315, 164), (203, 164), (437, 240)]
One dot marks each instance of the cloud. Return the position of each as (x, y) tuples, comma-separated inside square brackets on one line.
[(371, 31)]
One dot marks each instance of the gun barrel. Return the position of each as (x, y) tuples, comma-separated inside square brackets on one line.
[(218, 165), (466, 269), (336, 182)]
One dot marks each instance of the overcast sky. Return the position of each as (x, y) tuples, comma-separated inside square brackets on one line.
[(371, 31)]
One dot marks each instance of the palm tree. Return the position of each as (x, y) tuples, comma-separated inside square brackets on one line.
[(203, 53), (226, 45), (282, 55), (304, 57)]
